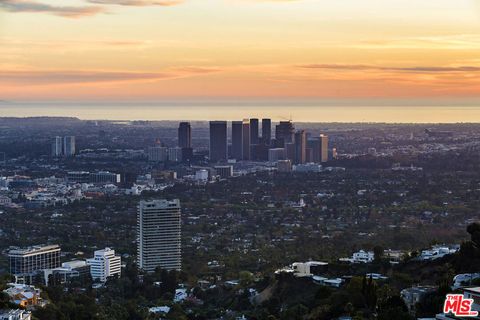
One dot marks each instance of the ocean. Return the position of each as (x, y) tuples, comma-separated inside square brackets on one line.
[(232, 111)]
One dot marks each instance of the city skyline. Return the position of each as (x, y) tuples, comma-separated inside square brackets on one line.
[(151, 50)]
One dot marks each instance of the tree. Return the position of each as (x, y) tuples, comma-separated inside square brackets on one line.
[(378, 253)]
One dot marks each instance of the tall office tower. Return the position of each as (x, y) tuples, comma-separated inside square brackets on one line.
[(309, 154), (237, 140), (218, 141), (284, 132), (69, 146), (28, 261), (104, 264), (323, 148), (57, 147), (266, 131), (300, 146), (159, 235), (314, 144), (184, 135), (246, 139), (290, 151), (254, 139)]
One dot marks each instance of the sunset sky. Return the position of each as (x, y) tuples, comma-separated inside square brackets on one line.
[(101, 50)]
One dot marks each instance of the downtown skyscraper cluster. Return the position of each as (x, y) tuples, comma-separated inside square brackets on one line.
[(247, 145)]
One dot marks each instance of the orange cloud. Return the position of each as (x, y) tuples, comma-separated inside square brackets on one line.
[(48, 77), (138, 3)]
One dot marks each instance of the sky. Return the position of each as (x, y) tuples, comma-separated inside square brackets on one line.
[(147, 50)]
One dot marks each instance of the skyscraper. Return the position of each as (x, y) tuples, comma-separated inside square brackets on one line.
[(159, 235), (237, 140), (319, 147), (323, 148), (254, 131), (184, 135), (300, 146), (246, 139), (266, 131), (218, 141), (314, 144), (284, 132), (57, 147), (69, 146)]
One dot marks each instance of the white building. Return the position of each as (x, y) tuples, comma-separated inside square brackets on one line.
[(464, 279), (304, 269), (201, 175), (437, 252), (57, 147), (104, 264), (5, 201), (363, 256), (16, 314), (159, 235), (360, 257), (69, 146)]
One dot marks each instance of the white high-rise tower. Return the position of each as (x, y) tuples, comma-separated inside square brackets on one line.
[(159, 235), (69, 146), (57, 145)]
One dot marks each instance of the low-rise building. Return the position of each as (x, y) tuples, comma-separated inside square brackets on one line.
[(25, 296), (16, 314), (284, 166), (464, 279), (224, 171), (437, 252), (26, 262), (412, 296), (361, 256), (307, 167), (304, 269)]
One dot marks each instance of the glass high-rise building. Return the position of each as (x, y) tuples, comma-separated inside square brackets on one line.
[(237, 140), (159, 235), (246, 139), (300, 146), (184, 135), (254, 139), (218, 141), (69, 146), (266, 131), (323, 148), (284, 132), (57, 149)]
